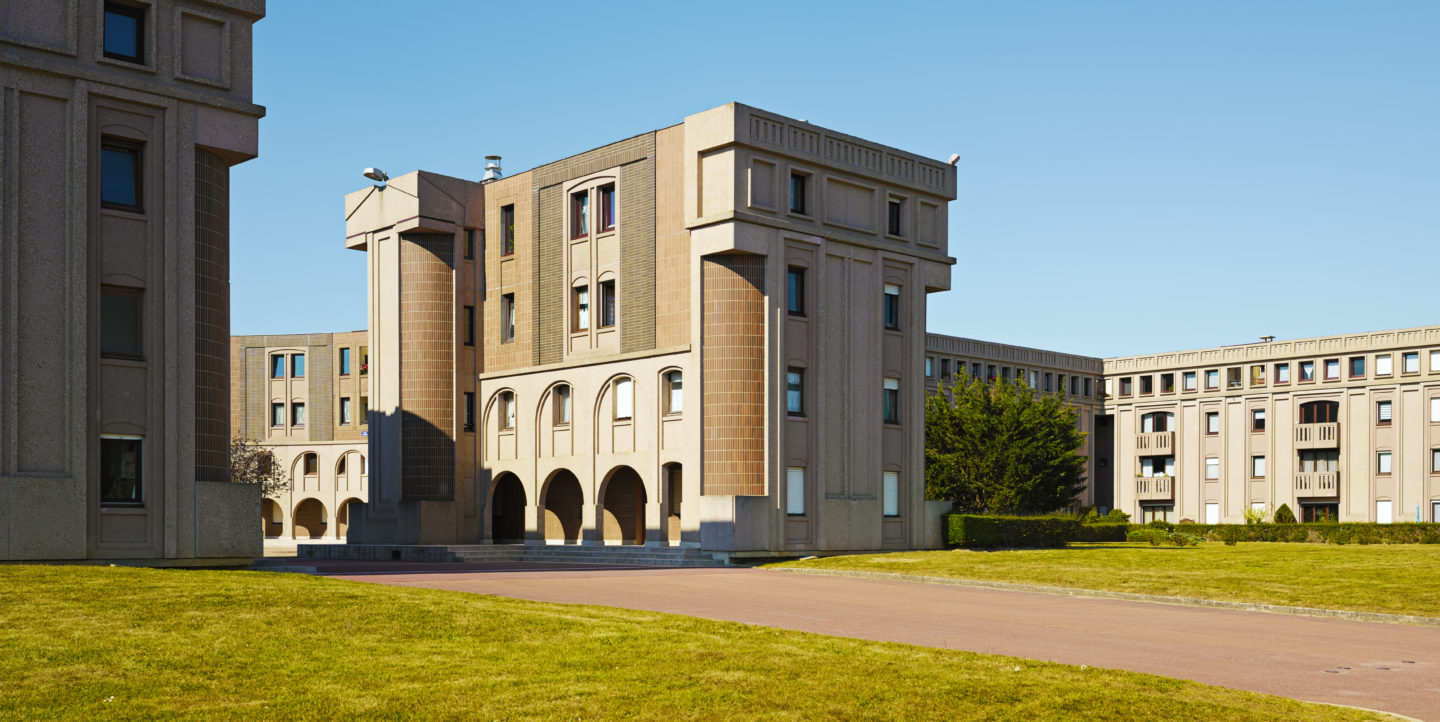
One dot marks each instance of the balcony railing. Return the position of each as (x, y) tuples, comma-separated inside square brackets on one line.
[(1155, 443), (1317, 436), (1317, 483), (1154, 488)]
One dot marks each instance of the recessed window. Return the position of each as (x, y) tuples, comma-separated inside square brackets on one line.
[(1157, 421), (1257, 419), (120, 471), (1167, 383), (607, 207), (1157, 466), (895, 211), (1232, 378), (1312, 460), (890, 493), (607, 304), (469, 411), (1383, 365), (891, 401), (1282, 374), (125, 32), (795, 491), (344, 410), (674, 393), (1307, 370), (340, 467), (364, 410), (120, 330), (469, 249), (1410, 362), (798, 182), (344, 361), (1435, 463), (120, 175), (1257, 375), (929, 367), (795, 291), (1212, 379), (507, 318), (1188, 381), (1127, 386), (1257, 467), (1332, 369), (580, 214), (1147, 385), (277, 366), (1382, 413), (1434, 361), (297, 413), (562, 405), (945, 368), (581, 300), (1319, 412), (1212, 468), (1435, 410), (624, 399), (795, 391), (892, 306), (469, 325), (297, 365), (1087, 387), (311, 464), (1382, 462), (507, 230), (277, 414), (507, 410), (1212, 422), (1357, 367)]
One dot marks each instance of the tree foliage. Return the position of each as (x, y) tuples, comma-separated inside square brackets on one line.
[(251, 463), (1001, 448)]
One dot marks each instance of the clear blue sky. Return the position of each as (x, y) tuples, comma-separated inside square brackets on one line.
[(1136, 176)]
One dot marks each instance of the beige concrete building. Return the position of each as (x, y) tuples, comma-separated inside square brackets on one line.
[(306, 397), (121, 120), (1343, 427), (951, 359), (708, 335)]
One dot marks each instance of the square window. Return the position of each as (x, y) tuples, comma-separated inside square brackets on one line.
[(795, 291), (1383, 365), (1257, 419), (1332, 369), (795, 491), (895, 211), (1382, 413), (1147, 385), (1212, 379), (1282, 374), (297, 365), (1257, 467), (798, 182), (1232, 378), (344, 361), (120, 334), (1212, 422), (344, 410), (1126, 386), (120, 175), (1257, 375), (1307, 370), (507, 230), (121, 464), (1382, 462), (607, 207), (1357, 367), (1188, 381), (507, 318), (580, 214), (891, 401), (795, 392), (892, 306), (582, 307), (607, 304), (1410, 362), (125, 32)]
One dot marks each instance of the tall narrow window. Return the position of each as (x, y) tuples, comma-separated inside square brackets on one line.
[(120, 330), (607, 304), (469, 325), (120, 175), (1257, 419), (624, 399), (277, 366), (675, 392), (1435, 410), (344, 361), (607, 207), (507, 230), (344, 410), (507, 318), (1087, 387), (582, 308), (310, 464), (890, 493), (562, 405), (1257, 467), (797, 193), (297, 366), (1382, 462), (1435, 465), (1212, 422), (795, 491), (364, 410), (795, 391), (892, 401), (895, 208), (469, 249), (277, 414), (580, 214), (945, 368), (125, 32), (120, 470), (1434, 361), (892, 306), (507, 410), (469, 411), (929, 367), (297, 413), (795, 291), (1382, 413)]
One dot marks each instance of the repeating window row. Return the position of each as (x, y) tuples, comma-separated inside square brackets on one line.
[(1279, 373)]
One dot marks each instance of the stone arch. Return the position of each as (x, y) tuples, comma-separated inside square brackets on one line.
[(272, 518), (310, 519), (562, 503), (623, 499), (507, 510), (342, 517)]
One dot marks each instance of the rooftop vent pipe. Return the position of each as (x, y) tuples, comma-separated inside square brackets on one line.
[(492, 168)]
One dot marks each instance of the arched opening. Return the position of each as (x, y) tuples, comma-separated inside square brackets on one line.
[(272, 518), (342, 517), (674, 496), (624, 516), (1320, 412), (310, 521), (562, 502), (507, 511)]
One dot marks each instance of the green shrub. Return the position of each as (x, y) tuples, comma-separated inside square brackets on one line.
[(1157, 536), (1283, 515), (1117, 517), (1161, 524), (973, 531), (1254, 516), (1101, 533), (1319, 533)]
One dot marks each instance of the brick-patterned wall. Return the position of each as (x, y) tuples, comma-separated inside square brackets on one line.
[(320, 380), (550, 292), (212, 317), (672, 241), (427, 447), (637, 256), (733, 337), (509, 274)]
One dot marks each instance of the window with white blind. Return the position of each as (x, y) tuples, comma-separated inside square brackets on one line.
[(1157, 466), (1257, 467), (1435, 410), (1435, 462), (1410, 362), (1188, 381), (1212, 469), (890, 493), (1383, 365), (624, 399), (795, 491), (1382, 462), (1435, 360), (1382, 413)]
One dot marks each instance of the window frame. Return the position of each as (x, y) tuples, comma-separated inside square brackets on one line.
[(1381, 360), (297, 371), (804, 197), (467, 249), (345, 411), (1359, 361), (297, 414), (1405, 358), (608, 209), (890, 493), (283, 411), (895, 216), (138, 13), (580, 214), (1209, 375), (469, 314), (507, 230), (561, 408), (890, 400), (1327, 365), (136, 150), (628, 386), (795, 491), (507, 317), (1257, 420), (795, 291), (673, 379), (137, 498), (1212, 415), (1388, 411), (469, 418), (1384, 462), (579, 311), (1279, 370), (891, 309), (345, 360), (1189, 382), (507, 415), (795, 391), (1257, 463), (609, 305)]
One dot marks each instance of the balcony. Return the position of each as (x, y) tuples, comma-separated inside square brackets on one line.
[(1317, 436), (1154, 488), (1155, 443), (1317, 483)]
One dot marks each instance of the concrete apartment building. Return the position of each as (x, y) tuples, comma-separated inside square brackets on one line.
[(535, 337), (1343, 427), (120, 123), (306, 397)]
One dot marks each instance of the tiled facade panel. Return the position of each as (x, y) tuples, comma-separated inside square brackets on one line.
[(672, 241), (551, 294), (514, 273), (637, 256), (733, 374), (320, 378), (427, 447), (212, 317)]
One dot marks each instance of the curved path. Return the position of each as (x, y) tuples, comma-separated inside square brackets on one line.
[(1389, 667)]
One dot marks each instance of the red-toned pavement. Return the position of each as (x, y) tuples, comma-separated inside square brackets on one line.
[(1389, 667)]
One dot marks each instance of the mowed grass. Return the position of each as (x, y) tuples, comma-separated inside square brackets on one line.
[(117, 643), (1391, 578)]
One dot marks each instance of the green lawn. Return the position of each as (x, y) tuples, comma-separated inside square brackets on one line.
[(88, 642), (1392, 578)]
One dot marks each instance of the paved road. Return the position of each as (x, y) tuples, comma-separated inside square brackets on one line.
[(1366, 664)]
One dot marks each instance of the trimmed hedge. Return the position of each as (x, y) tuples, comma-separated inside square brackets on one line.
[(973, 531), (1319, 533), (1101, 533), (1157, 536)]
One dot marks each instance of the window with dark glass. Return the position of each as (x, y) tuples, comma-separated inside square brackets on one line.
[(344, 361), (1126, 386), (345, 417), (297, 365), (892, 306), (507, 230), (562, 405), (469, 243), (1357, 367), (795, 291), (120, 169), (895, 208), (1319, 412), (607, 304), (469, 411), (797, 193), (1167, 383), (125, 32), (277, 414), (607, 207), (364, 410), (892, 401), (1257, 419), (120, 471), (1147, 385), (120, 322), (582, 308), (277, 366), (795, 392), (312, 464), (580, 214), (297, 413), (469, 325), (507, 317)]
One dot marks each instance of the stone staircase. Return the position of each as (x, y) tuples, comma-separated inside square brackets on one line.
[(483, 553)]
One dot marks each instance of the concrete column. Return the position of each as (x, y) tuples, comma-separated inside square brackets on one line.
[(590, 531)]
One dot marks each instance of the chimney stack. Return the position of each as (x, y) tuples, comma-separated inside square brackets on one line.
[(492, 168)]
